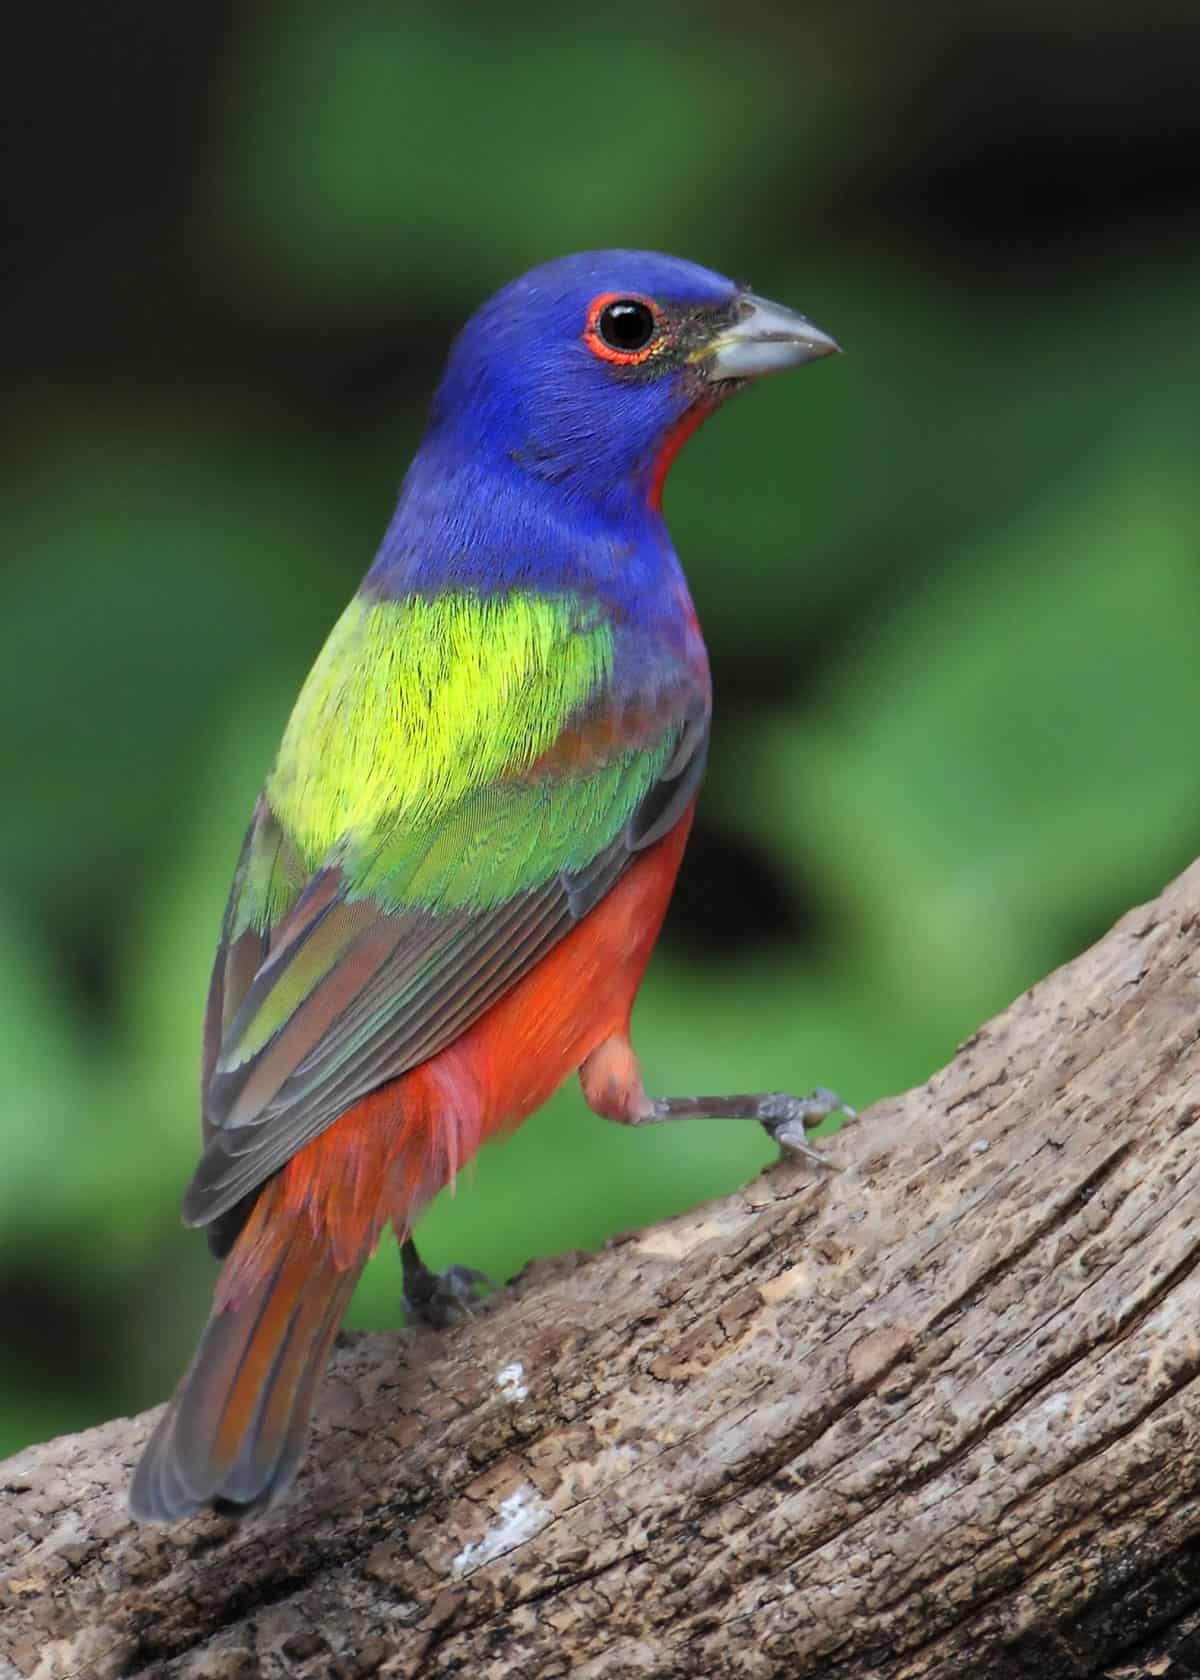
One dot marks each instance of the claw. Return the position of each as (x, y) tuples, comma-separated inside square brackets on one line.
[(786, 1120), (447, 1297)]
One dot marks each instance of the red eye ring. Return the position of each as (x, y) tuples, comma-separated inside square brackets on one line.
[(601, 346)]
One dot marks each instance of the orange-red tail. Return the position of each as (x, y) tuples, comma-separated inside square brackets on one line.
[(235, 1431)]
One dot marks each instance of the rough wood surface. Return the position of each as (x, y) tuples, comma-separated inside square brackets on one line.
[(933, 1416)]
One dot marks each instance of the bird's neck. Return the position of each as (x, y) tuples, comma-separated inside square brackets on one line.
[(494, 523)]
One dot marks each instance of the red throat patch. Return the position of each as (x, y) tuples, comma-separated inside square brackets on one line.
[(674, 441)]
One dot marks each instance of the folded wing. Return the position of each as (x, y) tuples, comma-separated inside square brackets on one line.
[(331, 983)]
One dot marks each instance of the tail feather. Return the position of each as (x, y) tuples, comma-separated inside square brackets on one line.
[(235, 1431)]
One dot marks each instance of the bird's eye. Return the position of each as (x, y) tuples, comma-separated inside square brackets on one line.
[(627, 324), (621, 329)]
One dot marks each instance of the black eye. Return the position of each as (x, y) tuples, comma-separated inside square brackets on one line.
[(627, 325)]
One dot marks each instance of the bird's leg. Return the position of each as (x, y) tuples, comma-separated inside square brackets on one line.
[(613, 1087), (784, 1118), (437, 1298)]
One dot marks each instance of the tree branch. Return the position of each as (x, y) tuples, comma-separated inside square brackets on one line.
[(935, 1415)]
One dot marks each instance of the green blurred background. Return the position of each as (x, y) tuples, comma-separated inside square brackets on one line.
[(950, 582)]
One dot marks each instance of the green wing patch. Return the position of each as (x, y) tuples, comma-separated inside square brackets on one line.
[(413, 705)]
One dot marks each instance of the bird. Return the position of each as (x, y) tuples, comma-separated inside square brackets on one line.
[(462, 855)]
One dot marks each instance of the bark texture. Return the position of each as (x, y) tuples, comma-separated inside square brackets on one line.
[(936, 1415)]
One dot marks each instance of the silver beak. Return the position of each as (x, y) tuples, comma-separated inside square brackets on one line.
[(767, 339)]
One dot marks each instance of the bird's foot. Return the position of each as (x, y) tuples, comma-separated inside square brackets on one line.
[(439, 1299), (786, 1119)]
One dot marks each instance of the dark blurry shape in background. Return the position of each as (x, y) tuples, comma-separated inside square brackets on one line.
[(951, 583)]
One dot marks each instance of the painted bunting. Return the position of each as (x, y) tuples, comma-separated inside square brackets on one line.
[(460, 861)]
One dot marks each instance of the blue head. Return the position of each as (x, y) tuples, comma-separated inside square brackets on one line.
[(568, 394), (582, 370)]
